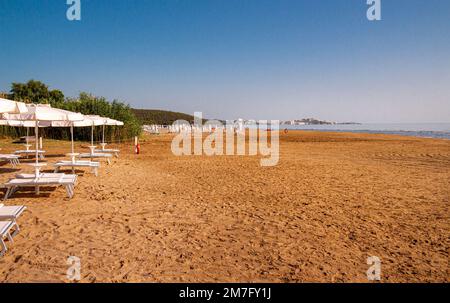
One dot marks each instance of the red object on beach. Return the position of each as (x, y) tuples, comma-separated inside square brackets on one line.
[(137, 149)]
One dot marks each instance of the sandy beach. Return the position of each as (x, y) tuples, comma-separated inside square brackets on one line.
[(333, 200)]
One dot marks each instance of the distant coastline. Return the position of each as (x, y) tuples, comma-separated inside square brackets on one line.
[(423, 130), (314, 121)]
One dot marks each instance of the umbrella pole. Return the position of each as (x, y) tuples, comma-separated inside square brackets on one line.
[(71, 137), (103, 138), (92, 140), (36, 130), (72, 156)]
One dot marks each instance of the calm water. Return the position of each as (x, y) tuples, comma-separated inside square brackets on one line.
[(428, 130)]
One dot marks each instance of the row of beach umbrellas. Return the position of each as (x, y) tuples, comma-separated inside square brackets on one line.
[(14, 113)]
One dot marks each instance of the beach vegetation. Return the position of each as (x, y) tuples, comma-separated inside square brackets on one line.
[(39, 93)]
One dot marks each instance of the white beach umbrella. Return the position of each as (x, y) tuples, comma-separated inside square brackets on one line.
[(88, 120), (94, 121), (109, 122), (42, 114), (50, 123)]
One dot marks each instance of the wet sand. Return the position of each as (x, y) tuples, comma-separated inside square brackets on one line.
[(333, 200)]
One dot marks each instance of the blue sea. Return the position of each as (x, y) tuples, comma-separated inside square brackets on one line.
[(426, 130)]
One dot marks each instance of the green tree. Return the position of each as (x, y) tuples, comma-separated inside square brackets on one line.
[(56, 97), (35, 92)]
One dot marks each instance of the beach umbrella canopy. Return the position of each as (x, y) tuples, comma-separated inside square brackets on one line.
[(42, 115), (9, 106), (87, 120)]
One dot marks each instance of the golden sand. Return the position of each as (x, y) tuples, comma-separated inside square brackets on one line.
[(333, 200)]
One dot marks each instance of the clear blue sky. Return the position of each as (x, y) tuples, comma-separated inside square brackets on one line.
[(255, 59)]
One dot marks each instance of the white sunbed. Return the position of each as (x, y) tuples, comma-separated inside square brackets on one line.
[(11, 213), (30, 153), (5, 232), (103, 149), (46, 179), (108, 150), (93, 165), (13, 159), (97, 156)]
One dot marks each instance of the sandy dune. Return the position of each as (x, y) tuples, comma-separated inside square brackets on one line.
[(333, 200)]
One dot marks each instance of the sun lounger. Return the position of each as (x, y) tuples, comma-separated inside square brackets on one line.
[(5, 232), (103, 149), (41, 175), (46, 179), (30, 152), (93, 165), (109, 150), (11, 213), (13, 159), (97, 156)]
